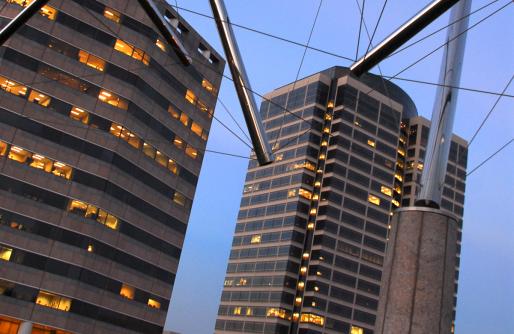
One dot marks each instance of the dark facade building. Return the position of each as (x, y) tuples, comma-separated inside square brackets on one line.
[(102, 135), (312, 230)]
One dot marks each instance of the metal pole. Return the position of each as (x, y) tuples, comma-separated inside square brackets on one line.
[(20, 20), (242, 84), (164, 27), (443, 114), (426, 16)]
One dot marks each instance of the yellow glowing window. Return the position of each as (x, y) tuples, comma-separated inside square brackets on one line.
[(3, 148), (249, 311), (133, 140), (184, 119), (276, 313), (374, 199), (330, 104), (324, 143), (127, 291), (179, 198), (141, 56), (312, 318), (398, 177), (91, 61), (40, 162), (303, 270), (123, 47), (242, 282), (113, 99), (161, 159), (208, 86), (5, 253), (203, 107), (53, 301), (48, 12), (153, 303), (321, 157), (39, 98), (401, 152), (197, 129), (279, 157), (172, 166), (395, 203), (179, 143), (313, 211), (12, 86), (115, 129), (62, 170), (190, 97), (386, 190), (91, 212), (326, 130), (175, 114), (78, 207), (298, 300), (149, 151), (237, 310), (356, 330), (18, 154), (112, 15), (301, 285), (371, 143), (80, 115), (23, 3), (205, 136), (256, 239), (305, 193), (191, 152), (228, 282), (160, 44), (420, 166), (291, 193), (107, 219), (90, 248), (310, 166)]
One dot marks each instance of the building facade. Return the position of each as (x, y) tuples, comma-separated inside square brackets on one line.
[(312, 230), (102, 136)]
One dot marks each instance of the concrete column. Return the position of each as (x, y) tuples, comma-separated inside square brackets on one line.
[(419, 273), (25, 328)]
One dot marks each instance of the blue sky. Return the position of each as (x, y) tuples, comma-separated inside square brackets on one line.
[(486, 289)]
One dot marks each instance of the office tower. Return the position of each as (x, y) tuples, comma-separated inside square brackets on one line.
[(102, 135), (311, 234)]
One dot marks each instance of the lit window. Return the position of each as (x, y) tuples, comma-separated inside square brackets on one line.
[(62, 170), (242, 282), (113, 99), (161, 159), (330, 104), (191, 152), (208, 86), (112, 15), (39, 98), (3, 148), (160, 44), (197, 129), (305, 193), (256, 239), (303, 270), (153, 303), (324, 143), (276, 313), (356, 330), (53, 301), (12, 86), (371, 143), (90, 248), (149, 151), (18, 154), (172, 166), (49, 12), (190, 97), (291, 193), (115, 129), (249, 311), (374, 199), (179, 143), (132, 51), (401, 151), (205, 136), (395, 203), (141, 56), (80, 115), (107, 219), (398, 177), (40, 162), (228, 282), (203, 107), (127, 291), (91, 212), (5, 253), (175, 114), (184, 119), (237, 310), (91, 61), (179, 198), (279, 157), (420, 166), (313, 211), (312, 318), (77, 207), (386, 190)]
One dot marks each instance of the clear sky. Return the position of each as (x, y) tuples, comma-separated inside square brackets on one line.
[(486, 284)]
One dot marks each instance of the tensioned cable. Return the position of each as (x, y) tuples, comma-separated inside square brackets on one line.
[(360, 30), (490, 112), (299, 69), (376, 27), (490, 157), (233, 119)]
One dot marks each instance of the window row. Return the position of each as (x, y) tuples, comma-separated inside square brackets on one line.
[(267, 266), (271, 223), (268, 237), (251, 327), (276, 209), (255, 311), (265, 252), (258, 296), (255, 281)]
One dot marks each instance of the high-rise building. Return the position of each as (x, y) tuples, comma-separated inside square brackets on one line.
[(102, 135), (312, 229)]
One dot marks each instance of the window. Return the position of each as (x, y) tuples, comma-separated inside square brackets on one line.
[(91, 61), (12, 87), (78, 207), (127, 291), (40, 162), (312, 318), (305, 193), (112, 99), (373, 199), (5, 253), (179, 143), (62, 170), (172, 166), (90, 211), (190, 97), (153, 303), (276, 313), (174, 113), (184, 119), (203, 107), (79, 114), (3, 148), (179, 198), (112, 15), (356, 330), (208, 86), (256, 239), (191, 152), (39, 98), (160, 44), (54, 301), (132, 51), (107, 219), (197, 129), (48, 12), (149, 151), (18, 154), (385, 190), (115, 129)]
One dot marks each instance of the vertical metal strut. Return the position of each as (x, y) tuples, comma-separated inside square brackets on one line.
[(242, 84), (20, 19), (443, 114)]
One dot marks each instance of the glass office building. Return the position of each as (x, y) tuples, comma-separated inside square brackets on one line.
[(312, 229), (102, 136)]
